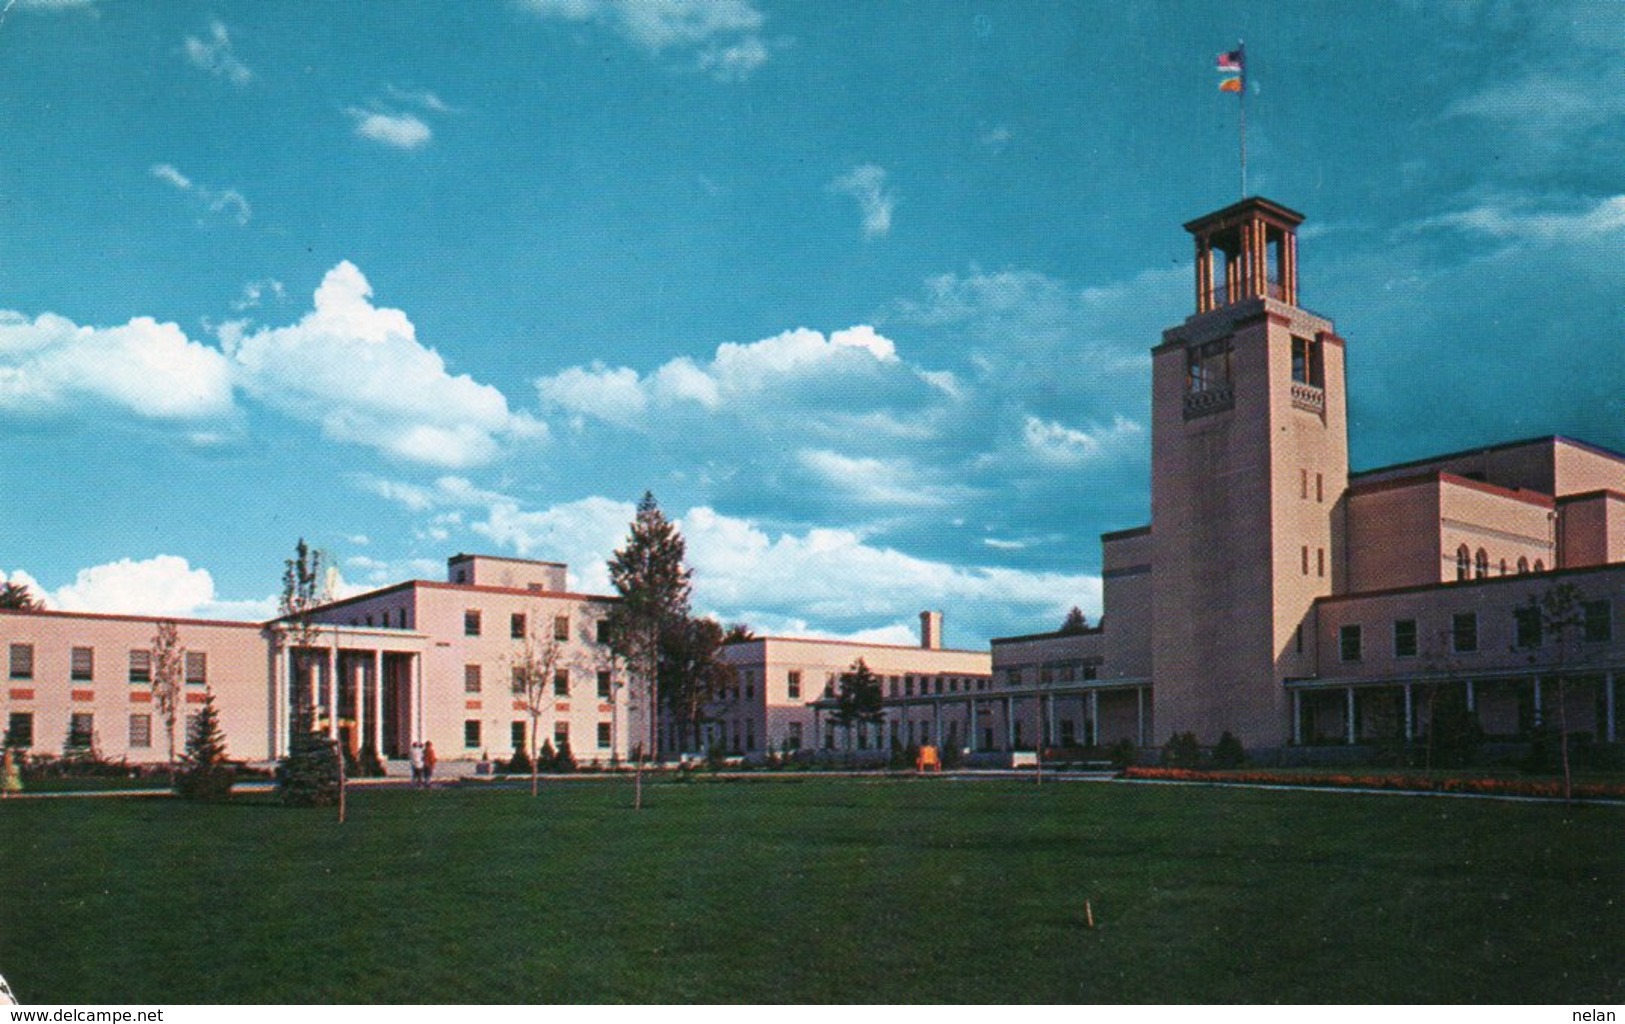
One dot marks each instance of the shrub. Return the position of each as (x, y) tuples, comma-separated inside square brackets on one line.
[(205, 774), (1182, 751), (519, 763), (564, 761), (1229, 752), (1123, 753)]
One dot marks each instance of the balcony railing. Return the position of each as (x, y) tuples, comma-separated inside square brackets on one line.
[(1308, 397), (1212, 400), (1273, 289)]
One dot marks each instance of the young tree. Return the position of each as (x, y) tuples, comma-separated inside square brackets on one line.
[(168, 667), (860, 700), (1076, 622), (654, 584), (313, 772), (692, 672), (17, 597), (205, 772), (536, 661), (1561, 609)]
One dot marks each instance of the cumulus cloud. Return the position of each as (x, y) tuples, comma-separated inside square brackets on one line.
[(1526, 221), (1066, 446), (225, 202), (214, 55), (401, 131), (722, 35), (151, 369), (359, 371), (867, 185)]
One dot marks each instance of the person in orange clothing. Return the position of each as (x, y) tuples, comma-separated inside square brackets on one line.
[(428, 763)]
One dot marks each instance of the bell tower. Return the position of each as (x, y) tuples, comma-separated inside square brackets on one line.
[(1249, 463)]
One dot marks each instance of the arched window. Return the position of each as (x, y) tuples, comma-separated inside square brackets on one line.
[(1540, 566), (1464, 562), (1503, 567), (1523, 565), (1481, 564)]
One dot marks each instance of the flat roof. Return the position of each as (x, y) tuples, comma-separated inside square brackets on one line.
[(1553, 439)]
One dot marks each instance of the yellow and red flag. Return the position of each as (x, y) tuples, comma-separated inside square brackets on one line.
[(1233, 65)]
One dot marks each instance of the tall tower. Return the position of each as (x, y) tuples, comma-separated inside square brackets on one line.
[(1249, 462)]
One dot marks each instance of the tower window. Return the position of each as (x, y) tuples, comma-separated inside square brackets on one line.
[(1306, 363), (1464, 563), (1481, 564), (1523, 565), (1208, 366)]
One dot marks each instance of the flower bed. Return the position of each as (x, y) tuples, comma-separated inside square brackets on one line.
[(1412, 783)]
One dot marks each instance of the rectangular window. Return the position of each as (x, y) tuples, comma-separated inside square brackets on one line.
[(1306, 362), (1320, 561), (561, 627), (516, 626), (516, 733), (197, 668), (81, 729), (1320, 487), (605, 739), (471, 622), (22, 661), (561, 735), (792, 735), (141, 731), (20, 730), (561, 683), (794, 685), (83, 665), (1529, 626), (1303, 484), (1208, 366), (1298, 638), (140, 666), (1404, 638), (1306, 559), (518, 683), (1464, 632), (471, 733), (1012, 677), (1599, 625), (471, 679), (606, 684), (1348, 643), (908, 686), (603, 631)]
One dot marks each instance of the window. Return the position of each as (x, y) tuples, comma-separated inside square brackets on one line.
[(20, 730), (191, 728), (1303, 484), (471, 733), (603, 631), (1464, 632), (1481, 564), (606, 684), (604, 738), (1320, 487), (750, 684), (1348, 642), (1523, 565), (1464, 563), (1540, 565), (1599, 625), (197, 668), (518, 679), (792, 736), (81, 730), (400, 616), (793, 685), (561, 683), (471, 622), (1298, 638), (1503, 567), (471, 679), (908, 686), (83, 664), (22, 661), (1307, 366), (140, 666), (1404, 638), (141, 730), (1306, 559), (1208, 366), (1320, 561), (561, 735), (516, 625), (1012, 677), (1529, 626), (516, 733), (561, 627)]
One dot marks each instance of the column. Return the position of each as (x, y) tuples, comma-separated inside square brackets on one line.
[(1410, 723), (1539, 718), (936, 723), (360, 732), (420, 717), (1297, 718), (1608, 702), (1049, 725), (1348, 716), (331, 665), (378, 702), (1472, 699), (1009, 723), (970, 730), (279, 700), (1094, 718), (1139, 716)]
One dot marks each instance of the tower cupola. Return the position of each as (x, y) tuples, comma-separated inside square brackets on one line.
[(1247, 250)]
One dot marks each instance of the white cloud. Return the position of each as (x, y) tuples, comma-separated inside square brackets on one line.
[(1522, 221), (163, 585), (867, 184), (581, 534), (255, 292), (226, 202), (214, 55), (402, 131), (420, 97), (723, 31), (360, 372), (149, 368), (1053, 442)]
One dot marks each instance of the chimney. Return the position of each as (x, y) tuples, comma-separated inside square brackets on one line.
[(931, 631)]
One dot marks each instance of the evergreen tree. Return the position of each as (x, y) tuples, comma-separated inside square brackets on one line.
[(1076, 622), (309, 775), (860, 699), (654, 585), (205, 773), (692, 672)]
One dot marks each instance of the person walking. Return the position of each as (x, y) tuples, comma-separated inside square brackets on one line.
[(11, 780), (428, 763), (415, 756)]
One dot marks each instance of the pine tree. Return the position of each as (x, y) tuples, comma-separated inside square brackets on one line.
[(1076, 622), (860, 700), (654, 587), (309, 775), (205, 773)]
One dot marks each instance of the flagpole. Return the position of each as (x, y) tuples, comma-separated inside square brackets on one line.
[(1241, 48)]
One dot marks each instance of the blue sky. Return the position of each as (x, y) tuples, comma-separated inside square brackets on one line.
[(863, 292)]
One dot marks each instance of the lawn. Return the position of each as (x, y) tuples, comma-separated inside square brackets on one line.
[(815, 890)]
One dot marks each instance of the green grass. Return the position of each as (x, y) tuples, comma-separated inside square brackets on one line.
[(815, 890)]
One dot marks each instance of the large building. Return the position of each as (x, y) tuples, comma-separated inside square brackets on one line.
[(418, 661), (1277, 596)]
